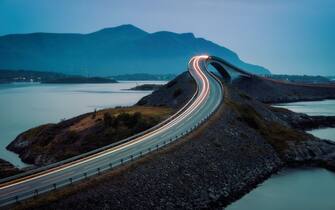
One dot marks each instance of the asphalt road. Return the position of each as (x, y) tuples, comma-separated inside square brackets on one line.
[(208, 97)]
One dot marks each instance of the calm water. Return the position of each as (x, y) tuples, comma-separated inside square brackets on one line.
[(324, 133), (291, 189), (326, 107), (24, 106)]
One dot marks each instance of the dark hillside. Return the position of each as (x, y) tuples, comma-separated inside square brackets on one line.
[(174, 94)]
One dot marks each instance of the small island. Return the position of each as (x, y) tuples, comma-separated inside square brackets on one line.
[(144, 77), (301, 79), (79, 80), (146, 87), (14, 76)]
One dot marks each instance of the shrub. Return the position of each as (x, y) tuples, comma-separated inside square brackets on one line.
[(122, 118), (72, 136), (129, 120), (108, 119)]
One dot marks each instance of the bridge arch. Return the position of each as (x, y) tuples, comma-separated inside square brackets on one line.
[(228, 71)]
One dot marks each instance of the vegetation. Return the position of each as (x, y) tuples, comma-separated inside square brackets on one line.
[(94, 114), (79, 79), (276, 134), (35, 131), (10, 76), (147, 87), (75, 136), (300, 78), (118, 124), (143, 76), (108, 119)]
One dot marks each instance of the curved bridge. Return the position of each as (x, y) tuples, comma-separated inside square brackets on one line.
[(227, 70), (200, 107)]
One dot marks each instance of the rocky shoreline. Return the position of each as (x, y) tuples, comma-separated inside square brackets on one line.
[(243, 144), (303, 121), (271, 91)]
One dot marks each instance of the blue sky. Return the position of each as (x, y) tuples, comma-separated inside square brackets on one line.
[(286, 36)]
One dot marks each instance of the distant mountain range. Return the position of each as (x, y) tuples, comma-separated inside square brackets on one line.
[(125, 49)]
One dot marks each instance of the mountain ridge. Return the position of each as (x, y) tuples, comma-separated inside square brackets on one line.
[(118, 50)]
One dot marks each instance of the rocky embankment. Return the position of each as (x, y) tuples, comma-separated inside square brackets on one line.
[(270, 91), (240, 146), (7, 169), (303, 121)]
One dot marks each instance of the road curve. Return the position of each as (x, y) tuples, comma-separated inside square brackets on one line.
[(205, 101)]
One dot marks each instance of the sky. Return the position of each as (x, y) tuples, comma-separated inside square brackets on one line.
[(285, 36)]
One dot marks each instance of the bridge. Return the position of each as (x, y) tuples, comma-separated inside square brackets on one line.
[(227, 70)]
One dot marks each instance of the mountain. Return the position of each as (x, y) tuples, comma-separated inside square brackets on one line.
[(125, 49)]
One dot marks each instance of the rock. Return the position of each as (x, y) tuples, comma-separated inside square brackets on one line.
[(303, 121), (7, 169), (314, 152)]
